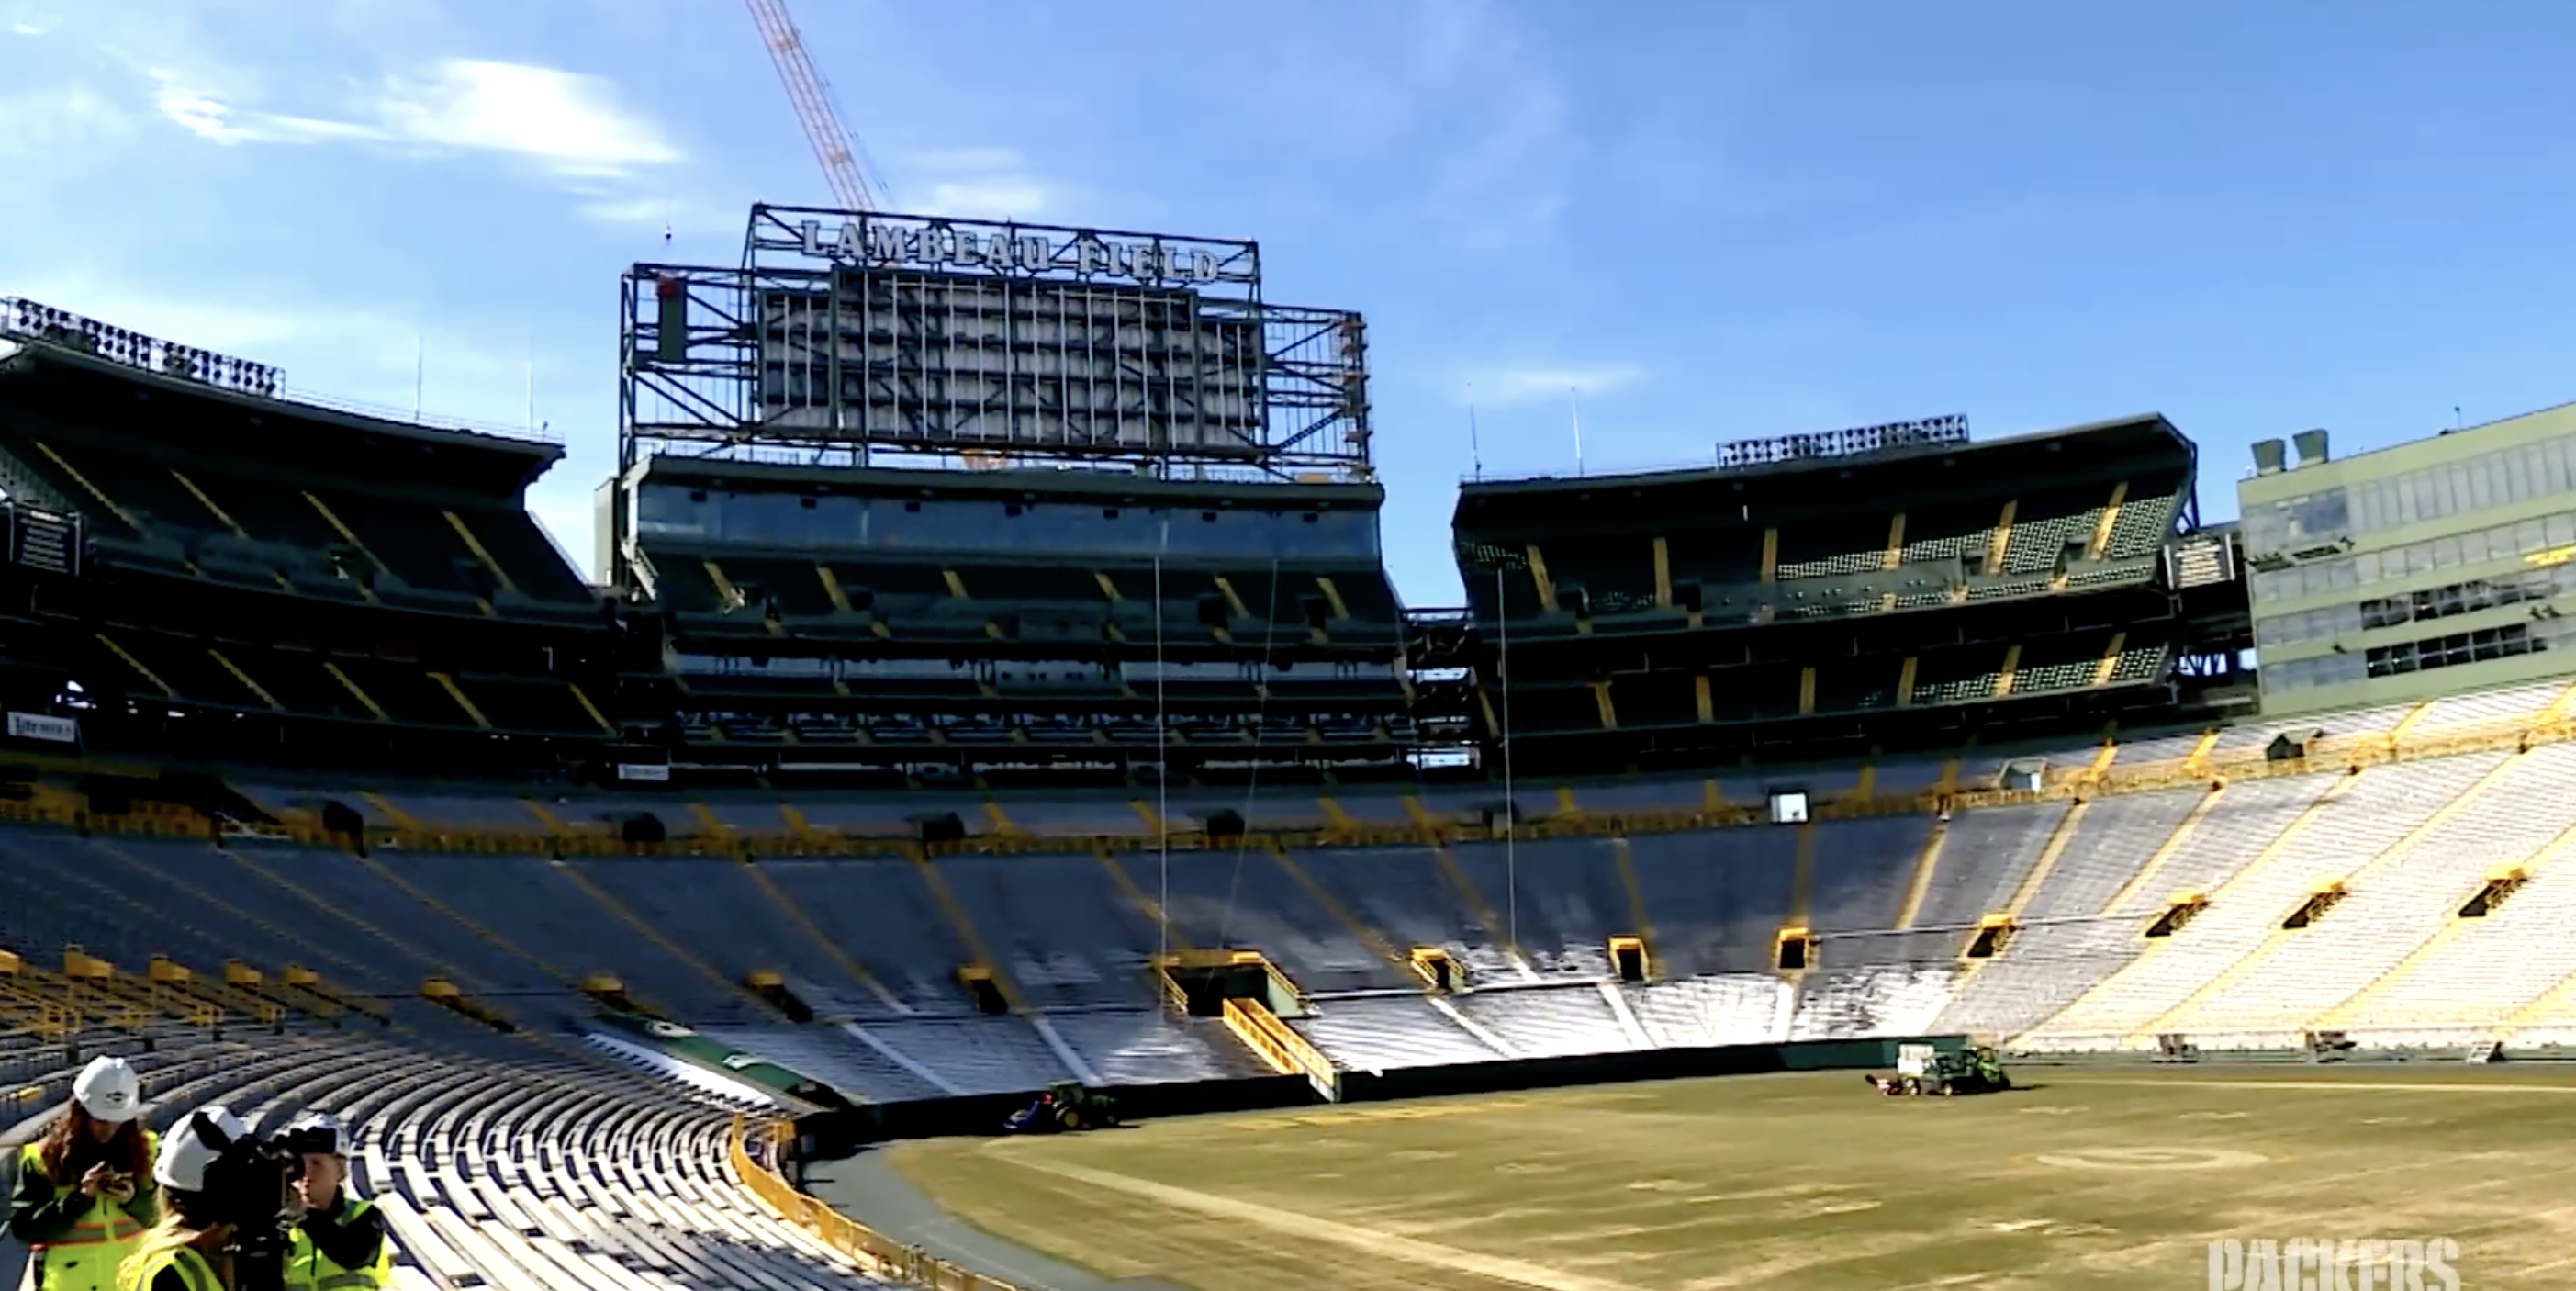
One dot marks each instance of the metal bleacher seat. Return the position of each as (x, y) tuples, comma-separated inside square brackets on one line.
[(1378, 1033), (1734, 1008), (1550, 1022), (978, 1055), (1880, 1000), (1141, 1048)]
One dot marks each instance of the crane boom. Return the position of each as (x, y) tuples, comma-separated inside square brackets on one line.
[(812, 100)]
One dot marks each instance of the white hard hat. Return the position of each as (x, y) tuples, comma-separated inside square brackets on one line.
[(108, 1089), (188, 1149), (316, 1132)]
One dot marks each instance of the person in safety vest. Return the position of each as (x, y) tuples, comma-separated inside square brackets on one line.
[(186, 1251), (340, 1243), (84, 1194)]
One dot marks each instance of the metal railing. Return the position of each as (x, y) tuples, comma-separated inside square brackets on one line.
[(881, 1256), (1278, 1044), (2335, 754)]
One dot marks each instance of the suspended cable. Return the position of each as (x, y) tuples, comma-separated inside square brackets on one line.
[(1511, 805), (1162, 764)]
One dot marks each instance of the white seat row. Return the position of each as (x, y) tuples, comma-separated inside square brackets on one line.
[(526, 1168)]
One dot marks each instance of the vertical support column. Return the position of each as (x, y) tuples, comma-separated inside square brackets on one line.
[(2001, 541), (1539, 580), (2110, 660), (2110, 516)]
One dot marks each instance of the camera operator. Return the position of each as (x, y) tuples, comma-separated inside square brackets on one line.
[(84, 1194), (340, 1243), (227, 1201)]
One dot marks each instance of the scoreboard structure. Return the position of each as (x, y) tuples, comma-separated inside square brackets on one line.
[(869, 339)]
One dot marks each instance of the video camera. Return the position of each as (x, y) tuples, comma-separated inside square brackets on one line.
[(250, 1185)]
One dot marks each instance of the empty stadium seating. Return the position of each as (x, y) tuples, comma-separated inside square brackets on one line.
[(2088, 880), (506, 1163)]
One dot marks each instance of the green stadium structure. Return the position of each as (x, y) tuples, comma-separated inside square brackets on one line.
[(2424, 569), (1006, 622), (1897, 586), (221, 574)]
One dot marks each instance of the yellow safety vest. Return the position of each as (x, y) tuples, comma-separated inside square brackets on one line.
[(137, 1275), (308, 1269), (99, 1241)]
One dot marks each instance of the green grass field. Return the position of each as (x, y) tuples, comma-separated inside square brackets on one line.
[(2097, 1177)]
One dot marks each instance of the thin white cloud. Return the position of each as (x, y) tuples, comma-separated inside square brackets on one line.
[(570, 124), (1502, 387), (212, 119), (1000, 198), (29, 18), (973, 183)]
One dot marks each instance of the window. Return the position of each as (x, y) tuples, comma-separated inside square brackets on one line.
[(2498, 478), (2494, 543), (2453, 651), (2308, 674)]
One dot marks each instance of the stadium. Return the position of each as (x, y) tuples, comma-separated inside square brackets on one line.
[(994, 711)]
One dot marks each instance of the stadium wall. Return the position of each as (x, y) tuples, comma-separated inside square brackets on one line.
[(836, 1133), (1618, 1068)]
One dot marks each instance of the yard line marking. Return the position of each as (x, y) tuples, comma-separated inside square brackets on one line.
[(1369, 1240), (2438, 1087)]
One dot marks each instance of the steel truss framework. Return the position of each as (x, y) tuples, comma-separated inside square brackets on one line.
[(894, 340)]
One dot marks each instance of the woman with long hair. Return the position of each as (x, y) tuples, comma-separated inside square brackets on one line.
[(85, 1194), (185, 1251)]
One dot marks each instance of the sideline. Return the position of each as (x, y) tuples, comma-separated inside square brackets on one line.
[(1367, 1240), (2425, 1086), (870, 1189)]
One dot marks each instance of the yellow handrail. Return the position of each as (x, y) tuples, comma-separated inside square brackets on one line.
[(1287, 1052), (882, 1256)]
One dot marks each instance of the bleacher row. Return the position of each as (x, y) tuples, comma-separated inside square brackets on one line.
[(315, 539), (963, 600), (2049, 540), (875, 944), (1665, 697), (788, 724), (499, 1163), (350, 687), (713, 814)]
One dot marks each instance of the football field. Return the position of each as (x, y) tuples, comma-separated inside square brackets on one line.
[(2092, 1177)]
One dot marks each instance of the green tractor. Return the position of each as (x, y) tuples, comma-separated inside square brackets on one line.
[(1922, 1069), (1064, 1108), (1972, 1071)]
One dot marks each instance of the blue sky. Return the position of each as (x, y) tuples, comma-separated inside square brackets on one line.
[(1717, 220)]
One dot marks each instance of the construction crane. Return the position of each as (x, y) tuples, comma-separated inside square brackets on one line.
[(812, 99)]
